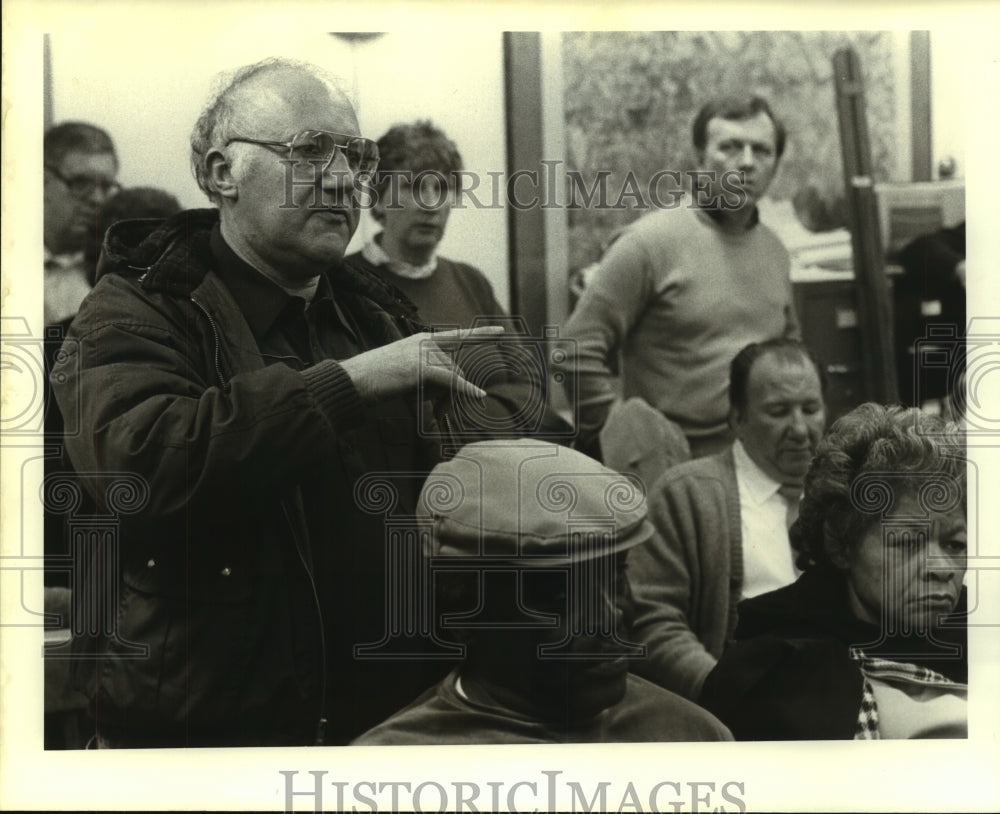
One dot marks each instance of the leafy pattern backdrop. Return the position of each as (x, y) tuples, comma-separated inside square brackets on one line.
[(630, 98)]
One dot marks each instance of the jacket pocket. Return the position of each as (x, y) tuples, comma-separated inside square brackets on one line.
[(209, 577), (194, 607)]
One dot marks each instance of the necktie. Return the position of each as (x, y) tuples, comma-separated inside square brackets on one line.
[(792, 493)]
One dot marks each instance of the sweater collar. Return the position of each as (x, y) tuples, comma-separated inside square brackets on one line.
[(377, 256), (716, 217)]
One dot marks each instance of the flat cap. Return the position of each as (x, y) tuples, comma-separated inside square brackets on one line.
[(531, 502)]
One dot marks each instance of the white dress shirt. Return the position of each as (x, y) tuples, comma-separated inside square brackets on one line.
[(66, 285), (767, 555)]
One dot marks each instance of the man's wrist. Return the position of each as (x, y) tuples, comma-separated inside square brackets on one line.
[(335, 392)]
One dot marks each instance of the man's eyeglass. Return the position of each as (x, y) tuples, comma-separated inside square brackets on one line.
[(320, 147), (84, 186)]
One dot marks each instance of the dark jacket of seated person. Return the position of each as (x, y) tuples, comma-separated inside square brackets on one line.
[(869, 643), (534, 588)]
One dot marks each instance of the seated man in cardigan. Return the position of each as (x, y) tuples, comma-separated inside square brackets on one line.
[(722, 522)]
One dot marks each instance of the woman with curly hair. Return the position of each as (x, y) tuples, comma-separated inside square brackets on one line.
[(870, 641)]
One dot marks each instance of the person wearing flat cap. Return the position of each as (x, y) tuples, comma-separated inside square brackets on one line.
[(527, 543)]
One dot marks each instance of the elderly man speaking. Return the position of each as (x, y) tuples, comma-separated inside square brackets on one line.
[(230, 361)]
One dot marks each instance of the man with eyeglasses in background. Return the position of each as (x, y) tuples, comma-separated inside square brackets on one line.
[(81, 169), (230, 360)]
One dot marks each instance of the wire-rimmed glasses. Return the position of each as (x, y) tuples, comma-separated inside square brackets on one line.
[(320, 147)]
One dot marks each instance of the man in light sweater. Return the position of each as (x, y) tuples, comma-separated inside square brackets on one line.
[(721, 522), (684, 288)]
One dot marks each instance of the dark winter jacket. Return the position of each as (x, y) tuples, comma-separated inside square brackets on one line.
[(226, 629), (790, 676)]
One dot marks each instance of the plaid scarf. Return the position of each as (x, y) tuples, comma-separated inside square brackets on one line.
[(867, 724)]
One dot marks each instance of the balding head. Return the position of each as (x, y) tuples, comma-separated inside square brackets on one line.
[(241, 96), (291, 219)]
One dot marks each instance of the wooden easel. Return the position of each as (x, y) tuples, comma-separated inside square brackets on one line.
[(874, 307)]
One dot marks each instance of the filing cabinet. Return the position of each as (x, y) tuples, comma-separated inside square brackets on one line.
[(828, 314)]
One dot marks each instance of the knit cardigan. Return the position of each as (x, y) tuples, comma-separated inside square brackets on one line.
[(688, 578)]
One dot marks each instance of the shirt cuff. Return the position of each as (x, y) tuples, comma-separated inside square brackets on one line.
[(335, 393)]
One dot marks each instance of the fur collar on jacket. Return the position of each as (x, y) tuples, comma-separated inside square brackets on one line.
[(171, 256)]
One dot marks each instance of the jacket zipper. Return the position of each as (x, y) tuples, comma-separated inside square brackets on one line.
[(215, 333), (321, 719)]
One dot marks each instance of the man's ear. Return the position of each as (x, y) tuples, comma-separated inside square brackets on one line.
[(220, 174)]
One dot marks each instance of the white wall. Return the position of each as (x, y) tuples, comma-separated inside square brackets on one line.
[(148, 90), (949, 87)]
